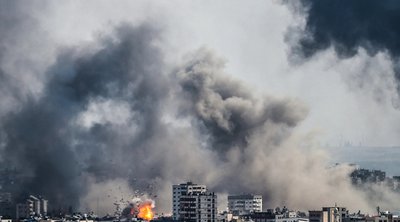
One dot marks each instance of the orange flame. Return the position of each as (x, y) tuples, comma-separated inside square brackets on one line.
[(145, 212)]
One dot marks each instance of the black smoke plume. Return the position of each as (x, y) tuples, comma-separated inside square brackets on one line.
[(347, 25)]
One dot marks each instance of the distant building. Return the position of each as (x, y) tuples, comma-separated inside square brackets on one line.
[(384, 216), (290, 216), (35, 204), (361, 176), (262, 216), (315, 215), (32, 206), (224, 217), (24, 210), (198, 207), (244, 204), (192, 203), (184, 189), (5, 220), (278, 216), (328, 214), (335, 214), (43, 206), (6, 209)]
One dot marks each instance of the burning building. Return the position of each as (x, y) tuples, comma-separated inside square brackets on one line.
[(139, 209)]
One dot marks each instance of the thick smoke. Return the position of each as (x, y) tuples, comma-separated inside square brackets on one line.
[(113, 117), (257, 146), (20, 58), (48, 144), (227, 111), (348, 25), (352, 28)]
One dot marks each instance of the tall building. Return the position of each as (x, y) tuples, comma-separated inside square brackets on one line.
[(43, 206), (32, 206), (198, 207), (192, 203), (244, 204), (35, 204), (184, 189)]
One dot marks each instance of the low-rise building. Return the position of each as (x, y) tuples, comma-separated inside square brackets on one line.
[(244, 204), (328, 214), (274, 216)]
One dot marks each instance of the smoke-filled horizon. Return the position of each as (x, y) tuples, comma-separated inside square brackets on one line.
[(116, 115)]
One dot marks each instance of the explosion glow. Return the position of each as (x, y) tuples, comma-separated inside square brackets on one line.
[(145, 211)]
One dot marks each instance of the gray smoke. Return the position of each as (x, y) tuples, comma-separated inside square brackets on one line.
[(49, 146), (257, 144), (19, 56), (352, 28), (226, 110), (113, 118)]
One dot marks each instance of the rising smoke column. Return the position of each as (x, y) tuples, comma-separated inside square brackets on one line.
[(43, 138), (227, 110), (256, 141)]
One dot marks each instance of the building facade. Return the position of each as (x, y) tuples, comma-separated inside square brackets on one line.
[(328, 214), (244, 204), (192, 203), (32, 206), (270, 216), (6, 207), (198, 207)]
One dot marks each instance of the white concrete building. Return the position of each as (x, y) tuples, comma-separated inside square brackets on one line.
[(244, 204), (43, 206), (290, 216), (192, 202), (5, 220), (184, 189), (31, 207), (35, 204)]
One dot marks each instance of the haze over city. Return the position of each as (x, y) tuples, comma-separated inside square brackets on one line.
[(108, 101)]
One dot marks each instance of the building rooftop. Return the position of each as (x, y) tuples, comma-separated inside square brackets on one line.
[(242, 196)]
